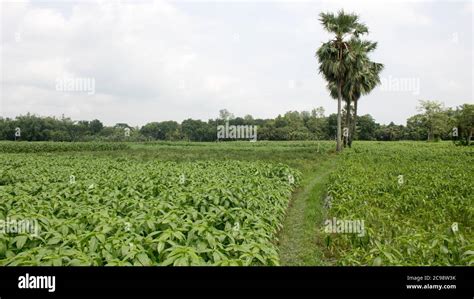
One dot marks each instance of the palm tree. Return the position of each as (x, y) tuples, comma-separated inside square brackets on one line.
[(334, 55), (362, 76)]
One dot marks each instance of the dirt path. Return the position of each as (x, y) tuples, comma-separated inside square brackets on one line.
[(297, 239)]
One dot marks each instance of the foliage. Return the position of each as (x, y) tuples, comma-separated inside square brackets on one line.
[(464, 120), (37, 147), (408, 221), (435, 119), (166, 130), (344, 64), (293, 125), (120, 211)]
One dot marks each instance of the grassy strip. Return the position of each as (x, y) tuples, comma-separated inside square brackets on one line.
[(299, 236)]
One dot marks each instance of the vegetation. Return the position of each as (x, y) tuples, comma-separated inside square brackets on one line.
[(118, 211), (170, 193), (344, 63), (228, 203), (293, 125), (37, 147), (416, 201)]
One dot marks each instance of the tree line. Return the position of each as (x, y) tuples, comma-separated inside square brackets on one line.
[(434, 122)]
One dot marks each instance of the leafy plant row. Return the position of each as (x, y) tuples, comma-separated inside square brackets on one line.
[(123, 212), (416, 201), (37, 147)]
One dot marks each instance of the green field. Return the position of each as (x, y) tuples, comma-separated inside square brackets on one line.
[(417, 202), (237, 203)]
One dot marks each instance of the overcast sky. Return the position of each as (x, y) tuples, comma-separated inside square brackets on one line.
[(172, 60)]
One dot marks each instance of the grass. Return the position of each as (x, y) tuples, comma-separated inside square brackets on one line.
[(298, 239)]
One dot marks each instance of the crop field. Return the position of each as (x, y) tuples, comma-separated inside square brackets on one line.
[(416, 201), (119, 212), (236, 203), (37, 147)]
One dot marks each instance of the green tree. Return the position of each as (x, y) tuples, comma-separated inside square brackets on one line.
[(362, 77), (367, 127), (317, 124), (435, 118), (95, 126), (390, 132), (224, 114), (166, 130), (464, 120), (416, 128), (335, 55)]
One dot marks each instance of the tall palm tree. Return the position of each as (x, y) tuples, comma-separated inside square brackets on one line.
[(333, 56), (362, 76)]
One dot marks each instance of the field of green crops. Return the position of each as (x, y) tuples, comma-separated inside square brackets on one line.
[(123, 212), (236, 203), (416, 201), (38, 147)]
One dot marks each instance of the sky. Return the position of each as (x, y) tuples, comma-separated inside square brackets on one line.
[(141, 61)]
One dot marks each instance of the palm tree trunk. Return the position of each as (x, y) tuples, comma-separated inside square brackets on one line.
[(339, 101), (348, 122), (353, 125)]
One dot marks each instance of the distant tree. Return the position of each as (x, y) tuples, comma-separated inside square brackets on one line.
[(95, 126), (390, 132), (318, 112), (7, 129), (166, 130), (435, 118), (367, 127), (416, 128), (249, 119), (464, 120), (224, 114), (317, 124), (237, 121), (33, 128), (189, 128), (171, 130), (82, 128), (266, 131), (152, 130), (331, 128)]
